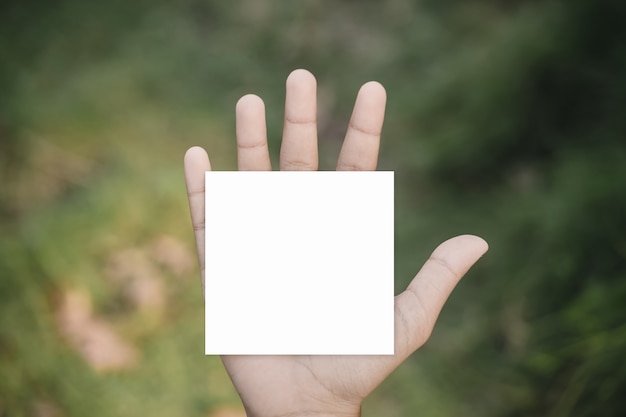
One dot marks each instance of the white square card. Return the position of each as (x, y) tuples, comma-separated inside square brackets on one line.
[(299, 262)]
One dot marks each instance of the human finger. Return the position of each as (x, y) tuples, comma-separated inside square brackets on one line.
[(359, 151), (298, 150), (252, 151), (196, 164), (417, 308)]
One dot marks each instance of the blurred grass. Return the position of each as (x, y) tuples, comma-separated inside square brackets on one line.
[(99, 169), (504, 119)]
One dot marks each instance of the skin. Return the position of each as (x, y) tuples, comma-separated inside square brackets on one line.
[(291, 386)]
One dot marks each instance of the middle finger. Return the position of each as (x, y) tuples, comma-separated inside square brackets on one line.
[(298, 151)]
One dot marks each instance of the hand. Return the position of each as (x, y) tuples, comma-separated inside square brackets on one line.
[(273, 386)]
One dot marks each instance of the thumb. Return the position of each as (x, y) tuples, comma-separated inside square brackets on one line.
[(418, 307)]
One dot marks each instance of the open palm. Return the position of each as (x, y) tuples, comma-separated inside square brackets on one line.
[(327, 385)]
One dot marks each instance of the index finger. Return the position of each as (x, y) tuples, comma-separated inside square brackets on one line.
[(360, 147)]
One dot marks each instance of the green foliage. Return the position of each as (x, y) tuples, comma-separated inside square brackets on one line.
[(536, 130), (505, 119)]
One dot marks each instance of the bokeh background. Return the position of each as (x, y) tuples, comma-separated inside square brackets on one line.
[(506, 119)]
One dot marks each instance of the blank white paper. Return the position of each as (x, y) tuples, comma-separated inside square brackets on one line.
[(299, 262)]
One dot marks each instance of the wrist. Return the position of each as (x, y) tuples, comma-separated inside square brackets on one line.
[(309, 413)]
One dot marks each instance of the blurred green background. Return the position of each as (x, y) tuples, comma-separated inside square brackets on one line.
[(506, 119)]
